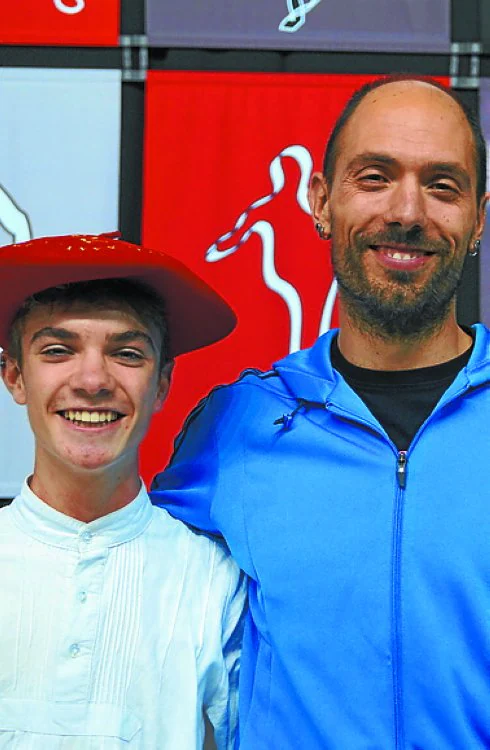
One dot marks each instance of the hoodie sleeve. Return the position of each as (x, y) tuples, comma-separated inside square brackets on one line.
[(188, 485), (205, 481)]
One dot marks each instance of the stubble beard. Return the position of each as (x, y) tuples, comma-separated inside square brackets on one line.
[(400, 308)]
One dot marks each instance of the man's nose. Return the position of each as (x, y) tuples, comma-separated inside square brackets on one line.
[(406, 206), (92, 375)]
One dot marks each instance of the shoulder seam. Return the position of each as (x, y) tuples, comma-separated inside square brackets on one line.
[(202, 403)]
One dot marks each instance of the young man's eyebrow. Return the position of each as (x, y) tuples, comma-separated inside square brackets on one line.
[(64, 334), (125, 337), (53, 332)]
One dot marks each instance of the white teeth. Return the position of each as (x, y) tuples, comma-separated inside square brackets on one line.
[(402, 256), (92, 417)]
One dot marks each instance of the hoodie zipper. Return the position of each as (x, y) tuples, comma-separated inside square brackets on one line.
[(401, 483), (401, 466)]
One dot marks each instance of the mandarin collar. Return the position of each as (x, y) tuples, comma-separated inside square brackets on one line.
[(42, 522)]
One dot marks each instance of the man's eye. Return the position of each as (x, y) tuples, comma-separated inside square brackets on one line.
[(373, 177), (439, 185), (130, 355)]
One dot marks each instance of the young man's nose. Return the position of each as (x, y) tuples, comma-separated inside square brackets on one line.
[(92, 374)]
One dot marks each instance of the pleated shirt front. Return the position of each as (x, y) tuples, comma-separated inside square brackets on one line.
[(116, 633)]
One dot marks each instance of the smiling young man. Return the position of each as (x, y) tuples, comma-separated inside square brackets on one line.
[(351, 481), (120, 626)]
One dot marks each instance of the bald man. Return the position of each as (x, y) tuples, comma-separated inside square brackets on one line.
[(351, 481)]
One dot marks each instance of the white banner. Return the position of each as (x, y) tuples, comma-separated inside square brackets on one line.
[(59, 174)]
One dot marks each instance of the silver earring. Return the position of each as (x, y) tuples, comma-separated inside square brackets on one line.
[(321, 231), (476, 249)]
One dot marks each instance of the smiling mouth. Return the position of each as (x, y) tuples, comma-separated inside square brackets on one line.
[(87, 418), (403, 255)]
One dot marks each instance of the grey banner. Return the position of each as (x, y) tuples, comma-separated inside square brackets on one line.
[(376, 25)]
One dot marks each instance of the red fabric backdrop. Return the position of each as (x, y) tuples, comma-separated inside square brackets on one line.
[(63, 22), (211, 139)]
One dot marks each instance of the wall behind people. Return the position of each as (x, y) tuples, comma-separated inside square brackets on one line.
[(194, 127)]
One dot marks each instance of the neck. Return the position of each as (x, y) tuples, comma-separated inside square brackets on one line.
[(84, 495), (366, 349)]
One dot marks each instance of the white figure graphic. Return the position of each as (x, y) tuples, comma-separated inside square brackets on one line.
[(13, 219), (297, 12), (265, 230), (69, 9)]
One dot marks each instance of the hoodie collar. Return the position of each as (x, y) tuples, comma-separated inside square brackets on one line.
[(308, 374)]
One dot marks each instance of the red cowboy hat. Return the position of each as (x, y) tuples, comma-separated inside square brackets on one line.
[(197, 315)]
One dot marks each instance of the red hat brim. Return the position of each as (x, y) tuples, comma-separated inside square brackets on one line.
[(197, 315)]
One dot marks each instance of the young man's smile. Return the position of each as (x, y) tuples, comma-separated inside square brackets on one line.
[(91, 384)]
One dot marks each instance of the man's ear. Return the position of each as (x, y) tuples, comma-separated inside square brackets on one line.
[(480, 221), (319, 200), (12, 377), (163, 385)]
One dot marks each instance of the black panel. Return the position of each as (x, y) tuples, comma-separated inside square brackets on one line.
[(469, 291), (296, 62), (131, 164), (485, 22), (133, 17), (465, 20), (59, 57)]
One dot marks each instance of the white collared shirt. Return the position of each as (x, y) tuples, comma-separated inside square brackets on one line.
[(116, 633)]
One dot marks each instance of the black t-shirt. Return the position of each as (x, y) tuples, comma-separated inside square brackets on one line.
[(401, 400)]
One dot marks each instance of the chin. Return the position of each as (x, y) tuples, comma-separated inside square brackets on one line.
[(89, 463)]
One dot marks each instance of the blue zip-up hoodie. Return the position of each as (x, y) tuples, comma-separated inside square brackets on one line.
[(369, 624)]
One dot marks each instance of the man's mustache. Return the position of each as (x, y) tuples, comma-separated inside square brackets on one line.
[(414, 239)]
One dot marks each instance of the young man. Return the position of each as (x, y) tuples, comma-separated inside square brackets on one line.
[(351, 481), (119, 625)]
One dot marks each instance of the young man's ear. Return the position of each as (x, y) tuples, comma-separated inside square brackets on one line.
[(12, 377), (318, 198), (164, 385)]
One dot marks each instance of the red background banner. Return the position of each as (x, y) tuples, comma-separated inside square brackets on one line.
[(60, 22), (215, 144)]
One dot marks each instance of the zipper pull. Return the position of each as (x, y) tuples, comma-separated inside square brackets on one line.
[(401, 469)]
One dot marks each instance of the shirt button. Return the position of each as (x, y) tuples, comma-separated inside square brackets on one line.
[(86, 536), (82, 596), (74, 650)]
